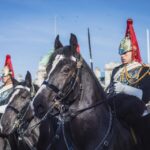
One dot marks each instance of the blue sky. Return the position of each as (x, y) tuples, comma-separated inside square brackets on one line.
[(27, 28)]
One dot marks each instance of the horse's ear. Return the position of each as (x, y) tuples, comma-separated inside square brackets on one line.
[(73, 42), (15, 82), (57, 43), (28, 79)]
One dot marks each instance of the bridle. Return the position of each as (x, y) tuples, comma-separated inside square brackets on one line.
[(61, 95), (21, 124), (20, 113)]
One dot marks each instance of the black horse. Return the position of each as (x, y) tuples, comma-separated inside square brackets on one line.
[(14, 114), (72, 90), (24, 130)]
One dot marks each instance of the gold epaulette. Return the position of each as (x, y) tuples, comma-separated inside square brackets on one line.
[(128, 77), (146, 65), (148, 68)]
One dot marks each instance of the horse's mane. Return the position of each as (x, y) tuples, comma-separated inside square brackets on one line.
[(101, 90)]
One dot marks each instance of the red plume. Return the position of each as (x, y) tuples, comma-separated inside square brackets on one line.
[(9, 64), (78, 49), (136, 56)]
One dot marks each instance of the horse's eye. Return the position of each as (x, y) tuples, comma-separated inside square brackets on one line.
[(24, 95), (66, 69)]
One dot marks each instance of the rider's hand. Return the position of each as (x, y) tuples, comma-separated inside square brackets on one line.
[(119, 87), (126, 89)]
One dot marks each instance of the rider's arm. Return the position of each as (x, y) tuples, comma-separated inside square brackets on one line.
[(126, 89), (145, 86)]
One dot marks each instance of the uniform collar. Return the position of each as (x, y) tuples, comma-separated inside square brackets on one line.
[(6, 87), (129, 67)]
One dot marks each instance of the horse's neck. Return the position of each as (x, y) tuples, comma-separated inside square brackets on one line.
[(92, 90), (94, 121), (91, 93)]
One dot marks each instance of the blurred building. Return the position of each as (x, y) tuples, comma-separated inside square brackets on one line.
[(41, 73), (108, 71), (97, 73), (19, 77), (99, 76), (105, 77)]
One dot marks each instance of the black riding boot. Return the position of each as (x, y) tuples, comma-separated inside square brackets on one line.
[(142, 128)]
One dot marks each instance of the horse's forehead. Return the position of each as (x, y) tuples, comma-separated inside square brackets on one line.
[(15, 93), (60, 57), (22, 87), (57, 59)]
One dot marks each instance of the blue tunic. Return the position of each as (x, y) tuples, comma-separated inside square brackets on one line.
[(4, 93), (139, 77)]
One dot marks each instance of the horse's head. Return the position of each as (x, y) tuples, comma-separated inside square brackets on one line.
[(18, 102), (63, 78)]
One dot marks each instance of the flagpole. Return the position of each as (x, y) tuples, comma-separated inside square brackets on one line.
[(90, 50), (55, 25), (148, 48)]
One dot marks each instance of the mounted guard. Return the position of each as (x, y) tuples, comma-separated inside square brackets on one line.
[(129, 89), (8, 83)]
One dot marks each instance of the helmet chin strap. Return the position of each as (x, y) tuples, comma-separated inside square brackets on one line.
[(8, 81)]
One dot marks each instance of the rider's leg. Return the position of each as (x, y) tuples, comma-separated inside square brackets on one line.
[(142, 128)]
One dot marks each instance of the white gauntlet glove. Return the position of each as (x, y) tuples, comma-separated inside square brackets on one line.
[(126, 89)]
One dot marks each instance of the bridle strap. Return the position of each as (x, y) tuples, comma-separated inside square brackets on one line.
[(51, 86), (77, 112), (12, 108)]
